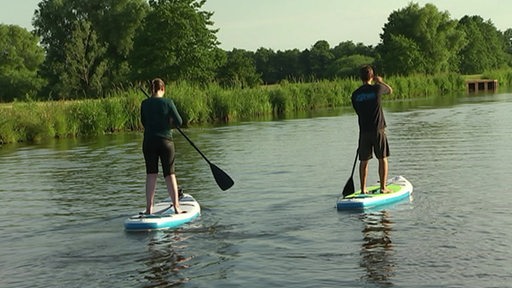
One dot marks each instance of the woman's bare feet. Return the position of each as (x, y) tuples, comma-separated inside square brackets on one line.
[(177, 210)]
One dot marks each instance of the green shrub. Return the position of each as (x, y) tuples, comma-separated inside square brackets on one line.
[(191, 102), (131, 104), (116, 116), (504, 77), (88, 117), (279, 100), (220, 103), (8, 133)]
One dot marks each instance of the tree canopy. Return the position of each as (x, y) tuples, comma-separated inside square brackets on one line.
[(176, 42), (483, 39), (239, 70), (87, 49), (20, 59), (87, 44), (428, 38)]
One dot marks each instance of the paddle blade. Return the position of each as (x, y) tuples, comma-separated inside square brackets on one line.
[(349, 188), (222, 178)]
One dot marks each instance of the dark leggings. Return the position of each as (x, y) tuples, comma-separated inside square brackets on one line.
[(155, 148)]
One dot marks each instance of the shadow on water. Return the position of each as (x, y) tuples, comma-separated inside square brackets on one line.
[(377, 248), (163, 264)]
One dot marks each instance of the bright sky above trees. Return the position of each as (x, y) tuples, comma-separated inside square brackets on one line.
[(288, 24)]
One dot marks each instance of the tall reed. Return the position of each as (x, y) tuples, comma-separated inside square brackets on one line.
[(8, 134), (504, 77), (30, 121)]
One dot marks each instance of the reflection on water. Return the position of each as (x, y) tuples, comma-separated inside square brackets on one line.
[(164, 262), (377, 248)]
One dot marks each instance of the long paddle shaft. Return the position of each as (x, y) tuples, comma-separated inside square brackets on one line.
[(222, 178), (349, 187)]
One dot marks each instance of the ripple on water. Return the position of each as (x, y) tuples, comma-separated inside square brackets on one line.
[(277, 226)]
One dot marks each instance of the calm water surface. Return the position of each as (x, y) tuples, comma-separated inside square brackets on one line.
[(64, 202)]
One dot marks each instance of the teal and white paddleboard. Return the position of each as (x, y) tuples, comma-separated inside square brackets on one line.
[(401, 189), (165, 217)]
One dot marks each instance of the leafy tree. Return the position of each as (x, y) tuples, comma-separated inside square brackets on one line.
[(507, 35), (403, 56), (116, 23), (348, 57), (348, 48), (508, 40), (176, 43), (320, 57), (423, 32), (239, 70), (291, 64), (85, 64), (20, 59), (264, 61), (348, 66), (486, 46), (62, 24)]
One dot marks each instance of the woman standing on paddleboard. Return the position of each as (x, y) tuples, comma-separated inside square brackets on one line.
[(367, 102), (158, 115)]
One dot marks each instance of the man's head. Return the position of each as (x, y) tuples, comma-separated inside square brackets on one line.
[(366, 73)]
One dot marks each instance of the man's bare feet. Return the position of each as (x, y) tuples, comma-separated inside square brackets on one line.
[(385, 190)]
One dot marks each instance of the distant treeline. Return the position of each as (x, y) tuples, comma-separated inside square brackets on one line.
[(93, 49)]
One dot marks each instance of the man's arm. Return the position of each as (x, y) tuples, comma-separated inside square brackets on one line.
[(378, 80)]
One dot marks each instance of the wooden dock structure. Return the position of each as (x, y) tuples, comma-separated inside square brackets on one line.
[(481, 85)]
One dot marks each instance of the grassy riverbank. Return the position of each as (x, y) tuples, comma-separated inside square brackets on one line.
[(32, 121), (504, 77)]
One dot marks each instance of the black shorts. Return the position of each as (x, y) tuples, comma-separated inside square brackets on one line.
[(155, 148), (373, 142)]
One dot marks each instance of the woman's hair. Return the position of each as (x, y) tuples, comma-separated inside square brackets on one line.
[(366, 73), (156, 85)]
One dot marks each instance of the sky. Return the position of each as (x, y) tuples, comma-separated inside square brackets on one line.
[(289, 24)]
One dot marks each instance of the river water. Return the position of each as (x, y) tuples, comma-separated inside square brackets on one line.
[(64, 203)]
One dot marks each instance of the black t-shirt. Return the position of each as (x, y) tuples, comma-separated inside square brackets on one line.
[(366, 100)]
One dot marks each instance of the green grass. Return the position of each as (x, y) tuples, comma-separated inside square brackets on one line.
[(33, 121), (503, 76)]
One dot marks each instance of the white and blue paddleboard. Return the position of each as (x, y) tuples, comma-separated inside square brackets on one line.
[(401, 189), (164, 216)]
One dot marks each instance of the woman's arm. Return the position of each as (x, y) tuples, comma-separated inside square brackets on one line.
[(175, 117)]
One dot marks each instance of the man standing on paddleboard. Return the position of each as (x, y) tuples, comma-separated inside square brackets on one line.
[(158, 115), (367, 103)]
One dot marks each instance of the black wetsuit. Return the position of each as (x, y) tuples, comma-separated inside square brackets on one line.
[(158, 115)]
